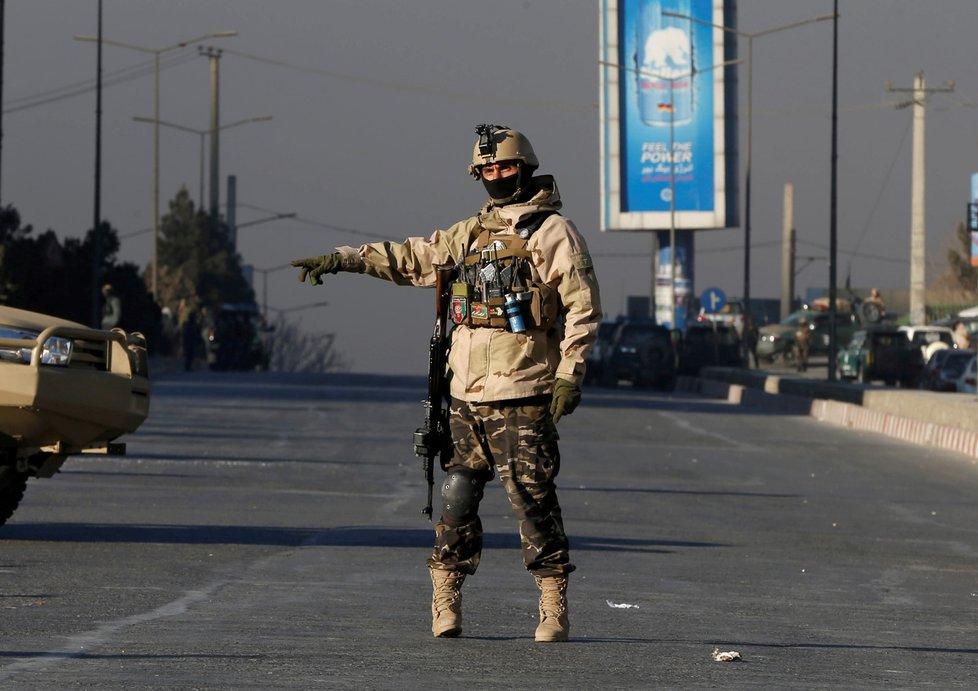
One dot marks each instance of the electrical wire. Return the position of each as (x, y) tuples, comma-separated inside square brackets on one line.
[(125, 74)]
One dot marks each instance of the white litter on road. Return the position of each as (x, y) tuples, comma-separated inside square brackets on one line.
[(620, 605), (730, 656)]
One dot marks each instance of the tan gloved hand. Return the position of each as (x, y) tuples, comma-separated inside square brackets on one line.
[(314, 267), (566, 397)]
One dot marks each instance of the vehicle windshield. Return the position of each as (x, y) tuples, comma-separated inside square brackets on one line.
[(891, 340), (635, 336), (721, 336), (795, 317)]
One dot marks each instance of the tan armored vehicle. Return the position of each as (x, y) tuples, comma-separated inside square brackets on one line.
[(64, 389)]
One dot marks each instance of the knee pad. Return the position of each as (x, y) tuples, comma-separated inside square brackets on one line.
[(461, 493)]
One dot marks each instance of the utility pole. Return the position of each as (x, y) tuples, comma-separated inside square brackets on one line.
[(232, 216), (96, 318), (214, 54), (918, 283), (3, 12), (788, 250)]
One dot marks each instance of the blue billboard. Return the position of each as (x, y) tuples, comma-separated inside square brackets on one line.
[(667, 137)]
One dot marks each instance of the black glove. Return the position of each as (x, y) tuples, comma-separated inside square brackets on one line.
[(314, 267), (566, 397)]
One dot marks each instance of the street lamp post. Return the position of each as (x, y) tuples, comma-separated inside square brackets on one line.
[(264, 285), (750, 36), (202, 134), (156, 53)]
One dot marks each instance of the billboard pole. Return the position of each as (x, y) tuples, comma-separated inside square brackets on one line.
[(750, 36)]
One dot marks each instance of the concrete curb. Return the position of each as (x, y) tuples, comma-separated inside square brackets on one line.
[(936, 420)]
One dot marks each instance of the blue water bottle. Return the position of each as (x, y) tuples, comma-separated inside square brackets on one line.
[(514, 315)]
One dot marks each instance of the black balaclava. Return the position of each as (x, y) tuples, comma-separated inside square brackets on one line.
[(510, 189)]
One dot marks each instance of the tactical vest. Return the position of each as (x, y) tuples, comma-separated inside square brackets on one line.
[(497, 266)]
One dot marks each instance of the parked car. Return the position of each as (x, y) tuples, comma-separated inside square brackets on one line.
[(929, 338), (880, 353), (966, 382), (943, 369), (601, 344), (237, 338), (642, 353), (706, 344), (777, 341), (731, 314), (65, 389)]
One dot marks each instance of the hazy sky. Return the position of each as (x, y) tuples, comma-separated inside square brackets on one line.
[(374, 104)]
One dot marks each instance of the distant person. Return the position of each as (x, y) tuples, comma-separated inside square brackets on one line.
[(111, 307), (752, 334), (525, 305), (961, 335), (191, 337), (803, 341)]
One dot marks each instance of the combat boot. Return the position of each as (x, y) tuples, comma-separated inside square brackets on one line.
[(554, 622), (446, 603)]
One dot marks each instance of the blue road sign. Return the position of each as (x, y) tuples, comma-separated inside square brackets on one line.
[(713, 299)]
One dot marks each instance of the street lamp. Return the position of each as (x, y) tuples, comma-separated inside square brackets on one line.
[(264, 285), (750, 36), (156, 53), (201, 134)]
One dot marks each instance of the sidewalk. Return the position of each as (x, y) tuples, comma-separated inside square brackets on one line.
[(946, 421)]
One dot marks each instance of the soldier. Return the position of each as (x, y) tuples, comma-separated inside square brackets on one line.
[(509, 387), (111, 307), (803, 339)]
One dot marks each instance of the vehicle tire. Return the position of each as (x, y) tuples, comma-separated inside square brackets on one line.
[(871, 312), (12, 486)]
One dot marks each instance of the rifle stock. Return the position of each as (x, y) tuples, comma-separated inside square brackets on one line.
[(433, 438)]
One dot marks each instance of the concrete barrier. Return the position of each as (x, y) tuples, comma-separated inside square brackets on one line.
[(946, 421)]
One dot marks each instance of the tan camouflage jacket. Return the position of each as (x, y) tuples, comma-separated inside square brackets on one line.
[(494, 364)]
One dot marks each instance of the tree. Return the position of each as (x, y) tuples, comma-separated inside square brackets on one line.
[(961, 269), (296, 351), (956, 285), (197, 262)]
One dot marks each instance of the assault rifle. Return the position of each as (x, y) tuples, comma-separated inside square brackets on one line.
[(433, 438)]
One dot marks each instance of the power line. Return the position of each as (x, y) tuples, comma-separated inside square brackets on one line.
[(120, 76), (476, 96)]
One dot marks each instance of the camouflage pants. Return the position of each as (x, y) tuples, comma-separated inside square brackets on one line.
[(518, 440)]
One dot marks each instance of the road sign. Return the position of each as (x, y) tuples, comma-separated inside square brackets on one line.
[(713, 299)]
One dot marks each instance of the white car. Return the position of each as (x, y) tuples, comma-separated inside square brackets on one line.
[(929, 338)]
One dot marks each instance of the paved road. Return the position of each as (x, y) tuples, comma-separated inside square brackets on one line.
[(265, 532)]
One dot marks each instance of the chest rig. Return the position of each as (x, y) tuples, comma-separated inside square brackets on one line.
[(497, 286)]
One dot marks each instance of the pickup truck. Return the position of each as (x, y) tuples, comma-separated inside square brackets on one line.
[(65, 389)]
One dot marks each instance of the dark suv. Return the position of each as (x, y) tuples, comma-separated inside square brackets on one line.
[(642, 353), (709, 345), (237, 338), (880, 353)]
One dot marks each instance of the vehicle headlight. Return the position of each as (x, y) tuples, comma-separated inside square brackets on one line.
[(56, 351)]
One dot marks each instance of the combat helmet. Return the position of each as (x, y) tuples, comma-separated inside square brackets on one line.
[(500, 143)]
